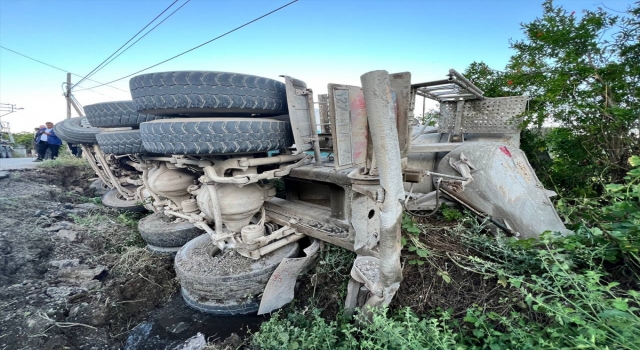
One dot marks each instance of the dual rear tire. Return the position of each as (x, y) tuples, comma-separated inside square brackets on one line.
[(224, 283)]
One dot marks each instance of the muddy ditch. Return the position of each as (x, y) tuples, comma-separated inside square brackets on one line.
[(75, 275)]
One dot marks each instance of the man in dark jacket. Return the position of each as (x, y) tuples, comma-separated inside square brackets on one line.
[(47, 140)]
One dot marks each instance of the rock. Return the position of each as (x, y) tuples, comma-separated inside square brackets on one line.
[(63, 292), (138, 335), (178, 327), (197, 342), (69, 235), (91, 285), (76, 211), (56, 214), (4, 174), (88, 314), (38, 325), (82, 274), (39, 213), (77, 189), (54, 228), (88, 206), (67, 206), (61, 225), (232, 342), (65, 263)]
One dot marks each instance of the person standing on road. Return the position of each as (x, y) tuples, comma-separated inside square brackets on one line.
[(36, 138), (47, 140)]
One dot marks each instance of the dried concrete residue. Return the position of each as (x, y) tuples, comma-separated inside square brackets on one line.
[(225, 264)]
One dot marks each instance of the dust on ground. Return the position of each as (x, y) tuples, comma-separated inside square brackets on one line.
[(73, 274)]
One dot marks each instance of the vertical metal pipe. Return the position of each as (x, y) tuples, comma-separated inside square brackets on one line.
[(68, 95), (314, 127), (384, 136), (114, 180), (88, 155)]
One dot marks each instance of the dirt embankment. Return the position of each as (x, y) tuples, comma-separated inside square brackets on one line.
[(73, 274)]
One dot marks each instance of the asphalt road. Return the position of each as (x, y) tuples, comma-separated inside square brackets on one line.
[(17, 163)]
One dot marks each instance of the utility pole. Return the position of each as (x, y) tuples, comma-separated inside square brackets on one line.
[(68, 95), (70, 102), (8, 108)]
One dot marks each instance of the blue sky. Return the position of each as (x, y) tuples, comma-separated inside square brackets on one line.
[(317, 41)]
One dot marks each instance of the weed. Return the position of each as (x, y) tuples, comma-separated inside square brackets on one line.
[(411, 240), (308, 330), (335, 262), (94, 200), (105, 220), (65, 160), (451, 214)]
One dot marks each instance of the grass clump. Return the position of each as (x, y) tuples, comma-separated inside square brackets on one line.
[(119, 230), (65, 160)]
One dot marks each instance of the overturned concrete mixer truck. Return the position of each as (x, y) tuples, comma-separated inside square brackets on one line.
[(205, 152)]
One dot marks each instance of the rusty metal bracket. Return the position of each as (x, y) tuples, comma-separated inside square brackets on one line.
[(91, 159), (280, 288), (114, 180)]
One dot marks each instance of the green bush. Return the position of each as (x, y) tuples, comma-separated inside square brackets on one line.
[(65, 160), (309, 330), (558, 291)]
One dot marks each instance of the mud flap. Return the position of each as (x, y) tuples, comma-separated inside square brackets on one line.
[(504, 186), (279, 289)]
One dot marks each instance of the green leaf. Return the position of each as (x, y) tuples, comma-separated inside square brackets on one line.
[(620, 304), (614, 187), (634, 161), (470, 318), (445, 276), (614, 313)]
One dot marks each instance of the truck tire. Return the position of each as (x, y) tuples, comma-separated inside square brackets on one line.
[(116, 114), (208, 286), (202, 93), (159, 230), (113, 199), (215, 136), (120, 142), (72, 130)]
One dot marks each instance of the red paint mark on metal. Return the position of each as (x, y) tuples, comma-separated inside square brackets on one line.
[(505, 150), (276, 277), (359, 128)]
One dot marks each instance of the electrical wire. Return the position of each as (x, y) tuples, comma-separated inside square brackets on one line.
[(145, 34), (60, 69), (196, 47), (64, 91), (435, 209), (102, 65)]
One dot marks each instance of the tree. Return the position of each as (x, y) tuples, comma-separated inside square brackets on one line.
[(25, 139), (583, 79)]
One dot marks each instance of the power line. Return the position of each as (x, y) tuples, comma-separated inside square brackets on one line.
[(128, 47), (64, 91), (60, 69), (203, 44), (123, 45)]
